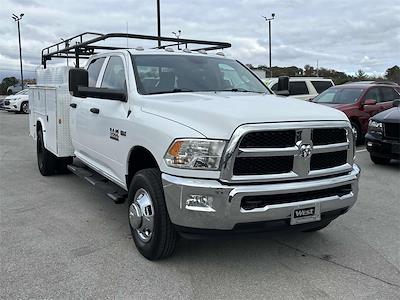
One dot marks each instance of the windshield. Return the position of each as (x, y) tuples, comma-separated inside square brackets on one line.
[(157, 74), (339, 96)]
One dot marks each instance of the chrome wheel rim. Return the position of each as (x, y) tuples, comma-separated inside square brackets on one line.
[(25, 108), (141, 215)]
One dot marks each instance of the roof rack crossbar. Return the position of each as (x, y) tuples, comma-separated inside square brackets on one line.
[(80, 47)]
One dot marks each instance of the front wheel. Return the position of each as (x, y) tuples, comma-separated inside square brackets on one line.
[(152, 231), (25, 107), (379, 160)]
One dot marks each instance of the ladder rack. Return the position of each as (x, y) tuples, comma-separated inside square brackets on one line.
[(84, 45)]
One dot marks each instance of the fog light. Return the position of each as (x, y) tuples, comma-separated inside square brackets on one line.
[(369, 144), (200, 203)]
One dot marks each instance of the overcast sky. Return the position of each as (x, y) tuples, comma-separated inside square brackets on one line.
[(344, 35)]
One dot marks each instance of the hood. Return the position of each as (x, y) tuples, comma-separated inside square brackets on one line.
[(14, 97), (389, 116), (217, 115)]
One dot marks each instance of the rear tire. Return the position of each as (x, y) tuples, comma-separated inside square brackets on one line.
[(379, 160), (48, 163), (153, 233), (46, 160)]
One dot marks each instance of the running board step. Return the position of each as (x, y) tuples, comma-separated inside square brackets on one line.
[(112, 191)]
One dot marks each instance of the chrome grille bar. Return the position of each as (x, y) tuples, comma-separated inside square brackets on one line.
[(301, 165)]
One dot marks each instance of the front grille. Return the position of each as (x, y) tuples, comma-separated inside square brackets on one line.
[(288, 151), (262, 165), (328, 160), (325, 136), (251, 202), (269, 139), (392, 131)]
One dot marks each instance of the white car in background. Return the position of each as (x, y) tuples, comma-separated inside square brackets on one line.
[(18, 102), (303, 88)]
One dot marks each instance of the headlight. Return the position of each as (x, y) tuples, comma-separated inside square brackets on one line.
[(375, 127), (198, 154)]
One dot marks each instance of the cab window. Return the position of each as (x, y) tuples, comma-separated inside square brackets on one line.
[(94, 70), (388, 94), (114, 75), (373, 94), (298, 88)]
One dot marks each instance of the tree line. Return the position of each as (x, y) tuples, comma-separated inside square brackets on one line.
[(392, 74)]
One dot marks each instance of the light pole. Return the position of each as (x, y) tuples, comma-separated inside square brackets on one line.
[(66, 46), (158, 23), (177, 35), (269, 32), (17, 19)]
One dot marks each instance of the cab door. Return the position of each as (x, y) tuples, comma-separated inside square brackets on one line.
[(367, 111), (80, 117), (107, 121)]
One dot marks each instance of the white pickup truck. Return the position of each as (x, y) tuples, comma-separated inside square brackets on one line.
[(195, 142)]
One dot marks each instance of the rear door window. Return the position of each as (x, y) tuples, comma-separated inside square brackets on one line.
[(320, 85), (298, 88), (373, 94), (94, 70), (388, 94)]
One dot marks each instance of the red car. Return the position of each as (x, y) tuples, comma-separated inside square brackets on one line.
[(360, 101)]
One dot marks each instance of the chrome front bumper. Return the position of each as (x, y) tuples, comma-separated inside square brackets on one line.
[(226, 200)]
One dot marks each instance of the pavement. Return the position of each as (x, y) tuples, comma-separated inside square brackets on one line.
[(61, 238)]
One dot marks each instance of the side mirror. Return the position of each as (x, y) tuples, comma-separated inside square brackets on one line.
[(369, 102), (283, 86), (102, 93), (78, 85), (77, 78), (396, 103)]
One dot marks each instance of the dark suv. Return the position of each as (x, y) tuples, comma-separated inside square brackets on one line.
[(360, 101), (383, 137)]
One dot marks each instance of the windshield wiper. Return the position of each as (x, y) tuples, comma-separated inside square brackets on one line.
[(239, 90), (171, 91)]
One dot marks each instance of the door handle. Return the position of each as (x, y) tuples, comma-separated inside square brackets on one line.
[(94, 110), (73, 105)]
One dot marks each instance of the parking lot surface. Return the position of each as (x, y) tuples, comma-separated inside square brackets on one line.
[(61, 238)]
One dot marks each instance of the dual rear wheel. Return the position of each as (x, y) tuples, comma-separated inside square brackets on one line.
[(48, 163)]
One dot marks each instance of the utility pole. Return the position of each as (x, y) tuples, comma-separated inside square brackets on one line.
[(17, 19), (177, 35), (269, 35), (158, 23)]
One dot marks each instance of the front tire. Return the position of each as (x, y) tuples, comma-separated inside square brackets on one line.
[(152, 231), (25, 107), (379, 160)]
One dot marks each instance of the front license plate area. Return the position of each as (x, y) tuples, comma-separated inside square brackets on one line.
[(305, 214)]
